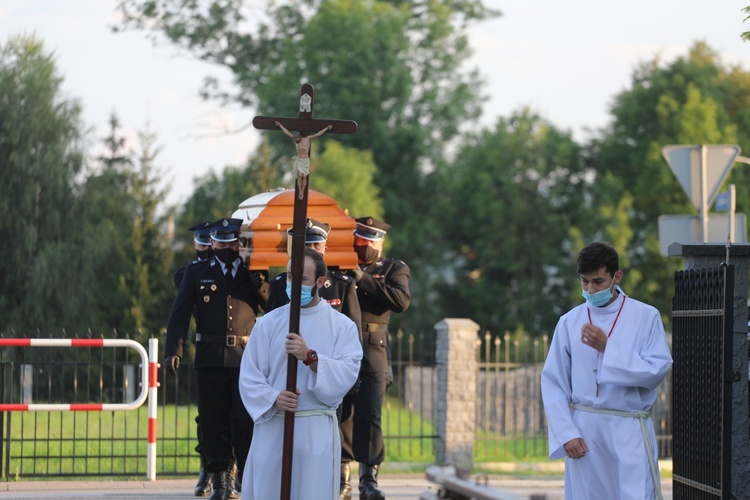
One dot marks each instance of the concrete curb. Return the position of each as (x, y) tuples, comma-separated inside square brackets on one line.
[(524, 468)]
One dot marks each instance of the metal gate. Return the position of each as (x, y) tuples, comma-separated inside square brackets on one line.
[(702, 309), (107, 443)]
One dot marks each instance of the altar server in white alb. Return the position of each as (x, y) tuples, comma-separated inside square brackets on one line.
[(607, 357), (329, 354)]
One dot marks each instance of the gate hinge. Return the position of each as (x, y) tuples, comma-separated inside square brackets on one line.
[(736, 377)]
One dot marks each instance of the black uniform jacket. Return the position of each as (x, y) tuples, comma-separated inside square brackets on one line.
[(339, 291), (219, 310), (179, 275), (383, 289)]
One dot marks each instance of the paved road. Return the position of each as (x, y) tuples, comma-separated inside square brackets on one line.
[(397, 486)]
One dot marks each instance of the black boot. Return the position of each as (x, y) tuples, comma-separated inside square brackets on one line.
[(203, 487), (232, 481), (346, 485), (221, 485), (368, 483)]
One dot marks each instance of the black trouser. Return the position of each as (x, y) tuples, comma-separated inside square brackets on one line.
[(360, 422), (198, 448), (224, 423)]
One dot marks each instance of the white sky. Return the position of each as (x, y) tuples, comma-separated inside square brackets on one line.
[(565, 60)]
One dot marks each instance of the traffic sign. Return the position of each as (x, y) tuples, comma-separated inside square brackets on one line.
[(687, 229), (685, 162), (722, 202)]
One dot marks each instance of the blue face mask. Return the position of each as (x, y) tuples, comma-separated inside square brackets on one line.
[(600, 298), (306, 296)]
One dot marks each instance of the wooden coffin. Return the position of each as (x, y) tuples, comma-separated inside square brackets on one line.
[(267, 216)]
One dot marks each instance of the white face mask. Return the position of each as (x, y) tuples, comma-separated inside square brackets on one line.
[(600, 298)]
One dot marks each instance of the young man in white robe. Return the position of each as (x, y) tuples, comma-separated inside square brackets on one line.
[(607, 357), (329, 355)]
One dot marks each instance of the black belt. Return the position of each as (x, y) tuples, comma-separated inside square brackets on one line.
[(375, 327), (229, 340)]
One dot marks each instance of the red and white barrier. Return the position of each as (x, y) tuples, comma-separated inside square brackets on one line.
[(149, 384), (153, 383)]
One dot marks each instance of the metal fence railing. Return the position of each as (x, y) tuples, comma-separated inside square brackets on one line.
[(510, 419), (45, 413), (702, 315)]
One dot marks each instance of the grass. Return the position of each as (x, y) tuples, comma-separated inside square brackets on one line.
[(494, 448), (399, 425), (398, 422), (114, 444), (100, 443)]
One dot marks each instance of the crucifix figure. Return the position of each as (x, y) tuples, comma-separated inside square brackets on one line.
[(304, 125), (302, 160)]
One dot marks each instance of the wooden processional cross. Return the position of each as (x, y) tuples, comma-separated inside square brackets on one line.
[(305, 125)]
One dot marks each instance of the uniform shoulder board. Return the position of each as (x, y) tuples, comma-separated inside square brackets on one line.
[(339, 275), (198, 263)]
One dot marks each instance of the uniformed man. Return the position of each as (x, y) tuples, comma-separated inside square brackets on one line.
[(225, 299), (339, 290), (202, 246), (203, 251), (382, 288)]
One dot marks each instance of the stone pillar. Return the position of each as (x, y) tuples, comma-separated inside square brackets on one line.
[(456, 365), (27, 384), (129, 383), (703, 256)]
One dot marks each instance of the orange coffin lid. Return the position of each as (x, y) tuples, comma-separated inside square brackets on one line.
[(267, 216)]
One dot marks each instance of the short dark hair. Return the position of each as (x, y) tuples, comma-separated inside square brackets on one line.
[(596, 255), (317, 258)]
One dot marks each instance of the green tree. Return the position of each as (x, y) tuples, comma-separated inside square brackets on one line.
[(512, 194), (693, 100), (219, 195), (346, 175), (148, 284), (398, 69), (116, 159), (107, 224), (40, 157), (129, 257)]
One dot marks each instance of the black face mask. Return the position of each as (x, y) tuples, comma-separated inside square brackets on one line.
[(205, 254), (366, 253), (226, 255)]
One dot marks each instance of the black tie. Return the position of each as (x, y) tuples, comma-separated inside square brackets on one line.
[(228, 275)]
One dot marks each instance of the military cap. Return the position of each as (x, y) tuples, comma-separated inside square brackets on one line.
[(201, 233), (226, 229), (315, 231), (371, 228)]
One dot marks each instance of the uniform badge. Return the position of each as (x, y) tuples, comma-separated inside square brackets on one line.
[(213, 288), (378, 276), (206, 298), (334, 302)]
